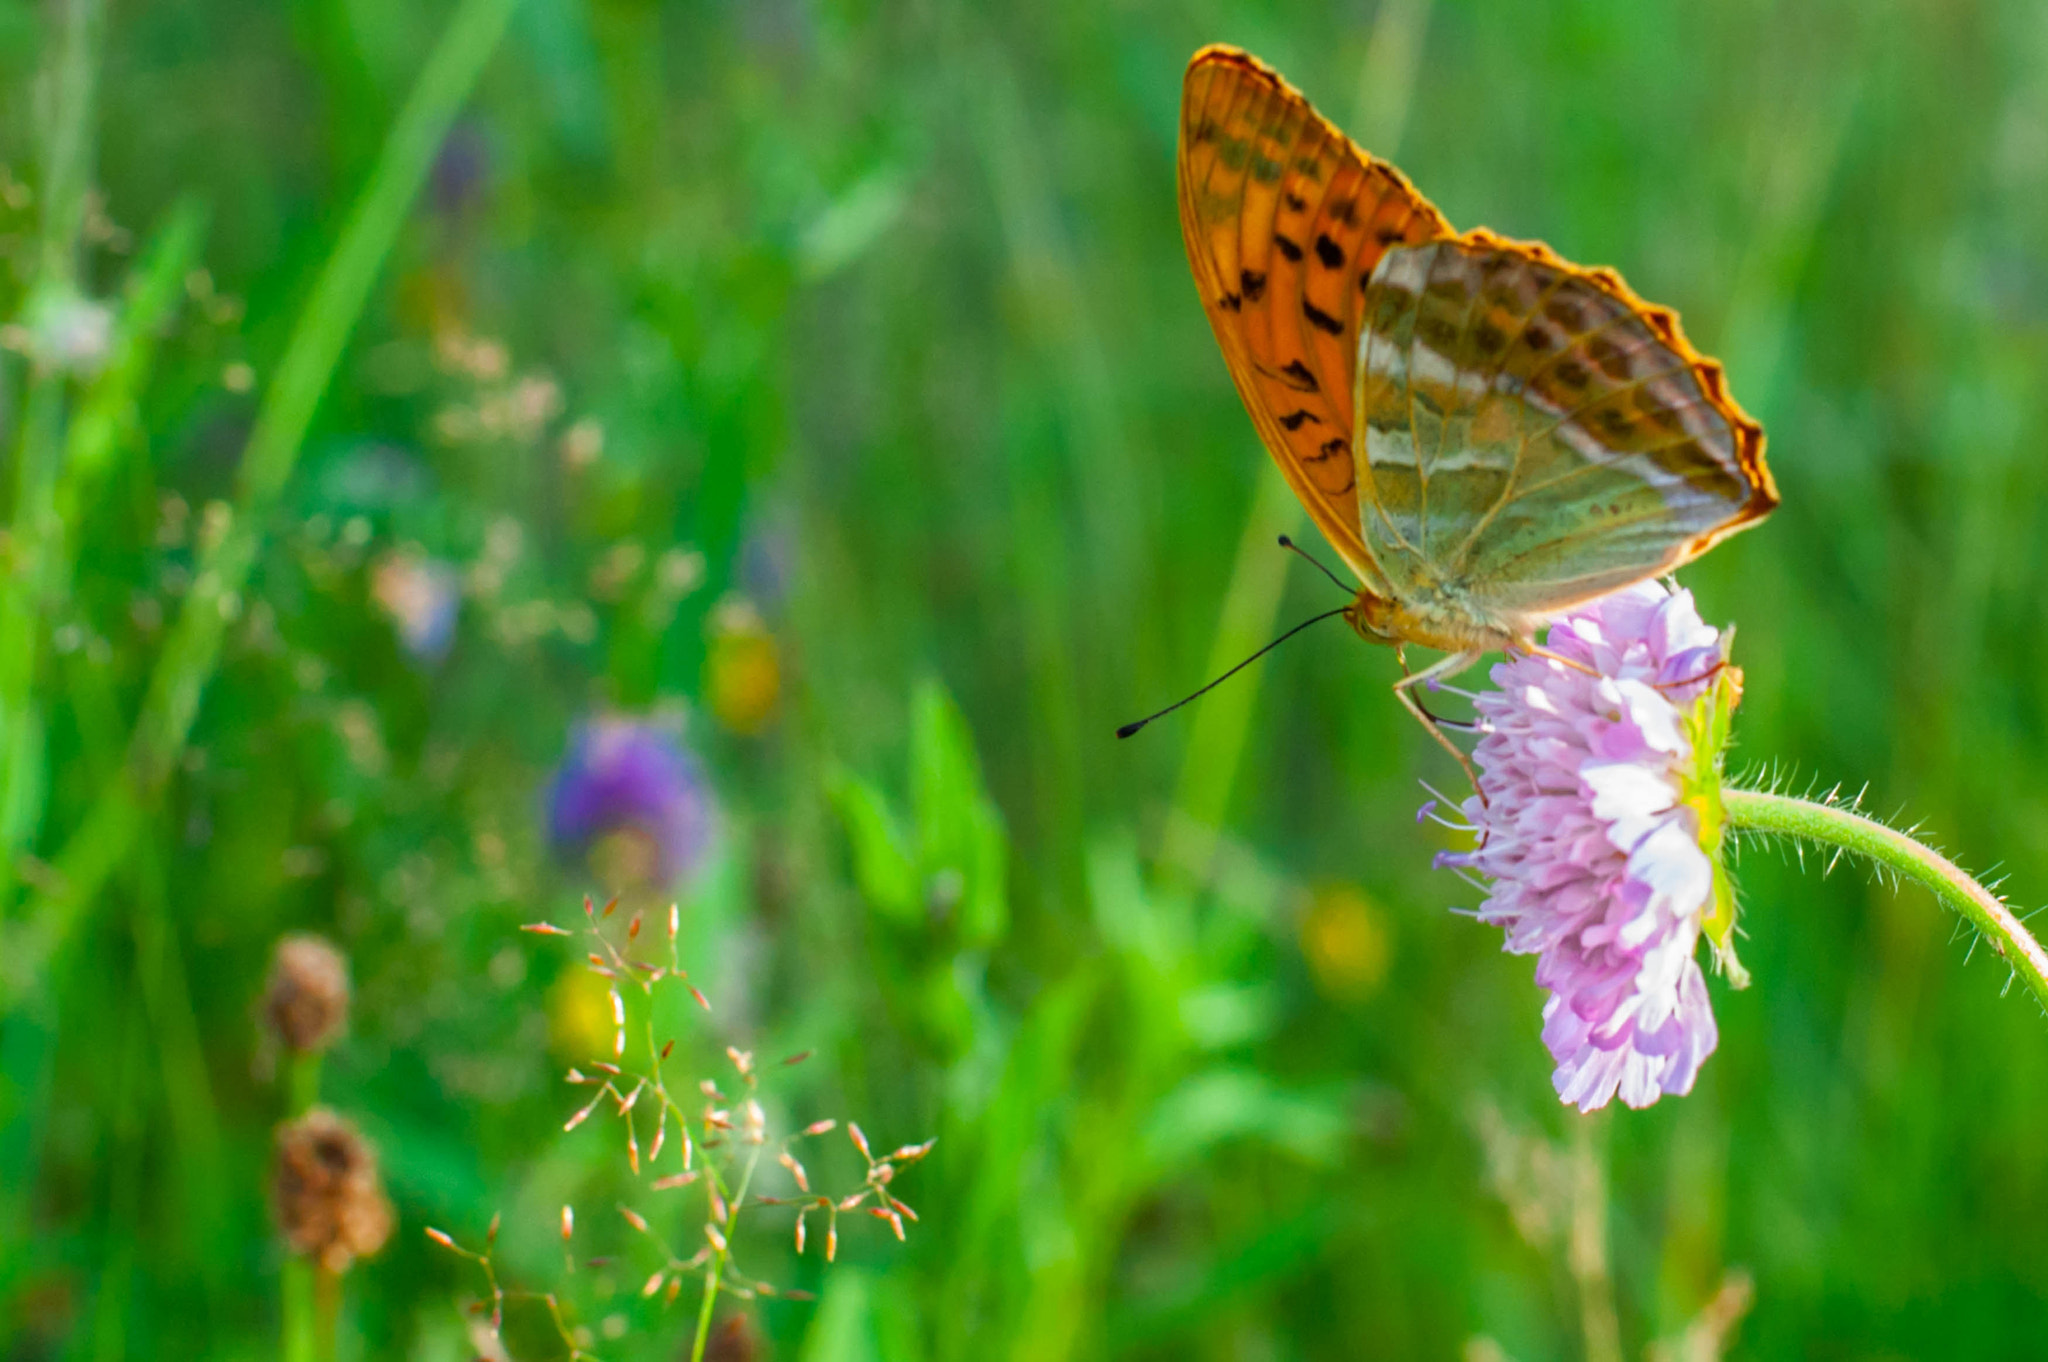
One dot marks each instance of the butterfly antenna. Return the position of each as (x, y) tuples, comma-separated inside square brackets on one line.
[(1287, 543), (1137, 724)]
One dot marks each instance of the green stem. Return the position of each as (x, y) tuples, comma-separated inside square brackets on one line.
[(308, 1325), (301, 1310), (1219, 731), (704, 1309), (718, 1256), (1833, 825), (35, 532), (193, 644), (67, 152), (302, 1078)]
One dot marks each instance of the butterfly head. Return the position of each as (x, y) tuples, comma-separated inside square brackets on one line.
[(1380, 619), (1449, 625)]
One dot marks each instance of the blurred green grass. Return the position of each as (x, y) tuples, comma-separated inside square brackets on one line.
[(882, 311)]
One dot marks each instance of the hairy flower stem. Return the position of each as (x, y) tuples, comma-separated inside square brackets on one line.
[(1784, 816)]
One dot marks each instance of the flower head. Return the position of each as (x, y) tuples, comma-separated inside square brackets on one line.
[(743, 670), (422, 596), (66, 331), (632, 777), (1600, 834), (305, 1003), (330, 1199)]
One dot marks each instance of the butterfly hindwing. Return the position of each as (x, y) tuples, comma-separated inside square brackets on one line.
[(1284, 219), (1536, 435)]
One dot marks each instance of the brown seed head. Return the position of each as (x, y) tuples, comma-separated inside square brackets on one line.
[(305, 1003), (330, 1201), (733, 1341)]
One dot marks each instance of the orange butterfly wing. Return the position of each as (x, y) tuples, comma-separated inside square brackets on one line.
[(1284, 218)]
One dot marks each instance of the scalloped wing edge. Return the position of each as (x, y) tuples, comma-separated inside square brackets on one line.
[(1713, 377)]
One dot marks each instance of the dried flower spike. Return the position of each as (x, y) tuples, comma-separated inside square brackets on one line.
[(330, 1199), (305, 1003)]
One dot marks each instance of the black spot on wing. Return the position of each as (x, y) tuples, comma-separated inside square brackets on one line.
[(1330, 450), (1299, 377), (1294, 419), (1254, 284), (1611, 358), (1287, 248), (1328, 251), (1321, 319), (1567, 313)]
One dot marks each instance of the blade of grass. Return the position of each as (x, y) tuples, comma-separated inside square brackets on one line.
[(1258, 578), (107, 405), (193, 644), (35, 532)]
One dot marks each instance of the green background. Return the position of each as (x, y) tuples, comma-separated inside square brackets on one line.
[(882, 310)]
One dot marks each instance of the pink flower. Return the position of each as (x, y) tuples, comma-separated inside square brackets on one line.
[(1600, 836)]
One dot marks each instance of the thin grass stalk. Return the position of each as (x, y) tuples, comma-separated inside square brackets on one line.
[(35, 532), (1258, 576), (192, 646)]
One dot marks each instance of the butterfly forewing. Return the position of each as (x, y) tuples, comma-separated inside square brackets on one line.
[(1535, 435), (1284, 219), (1485, 432)]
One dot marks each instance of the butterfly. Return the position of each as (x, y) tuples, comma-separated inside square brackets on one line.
[(1486, 434)]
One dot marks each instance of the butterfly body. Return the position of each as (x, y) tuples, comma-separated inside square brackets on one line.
[(1448, 620), (1485, 433)]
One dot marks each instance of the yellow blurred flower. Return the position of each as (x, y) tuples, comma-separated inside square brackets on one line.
[(743, 672), (580, 1016), (1347, 942)]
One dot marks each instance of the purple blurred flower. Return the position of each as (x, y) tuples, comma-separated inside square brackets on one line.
[(1600, 837), (632, 776), (462, 170)]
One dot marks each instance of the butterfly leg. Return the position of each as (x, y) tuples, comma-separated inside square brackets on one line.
[(1538, 650), (1707, 675), (1404, 691)]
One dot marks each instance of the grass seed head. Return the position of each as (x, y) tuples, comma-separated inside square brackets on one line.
[(305, 1003)]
